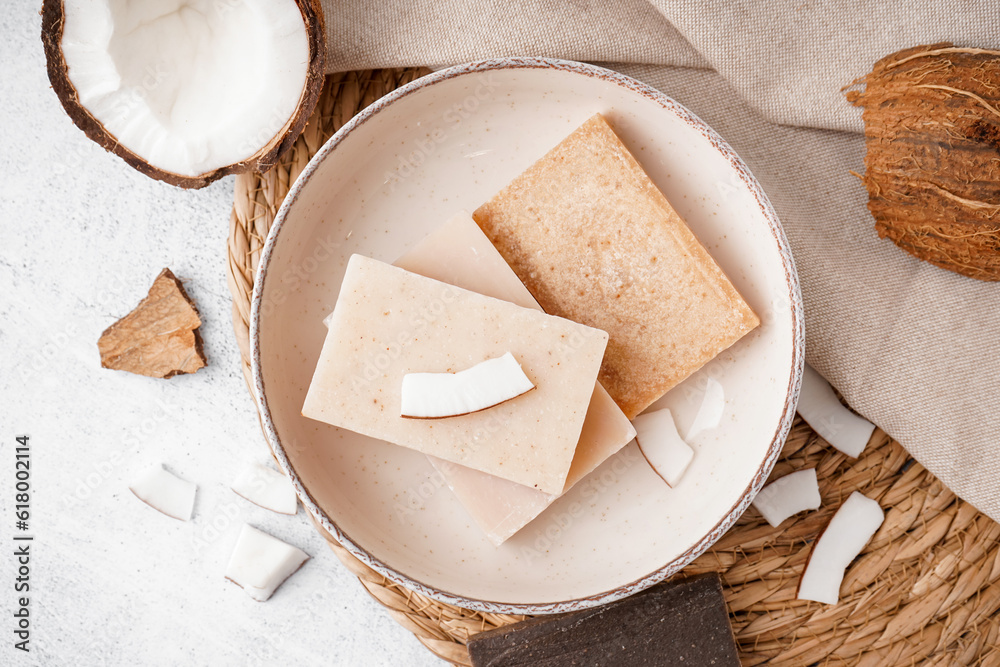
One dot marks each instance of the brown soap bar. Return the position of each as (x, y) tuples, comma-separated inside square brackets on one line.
[(678, 623)]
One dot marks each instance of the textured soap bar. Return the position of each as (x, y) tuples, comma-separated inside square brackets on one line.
[(388, 322), (459, 254), (595, 241), (676, 624)]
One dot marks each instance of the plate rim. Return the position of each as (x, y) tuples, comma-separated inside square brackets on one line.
[(795, 306)]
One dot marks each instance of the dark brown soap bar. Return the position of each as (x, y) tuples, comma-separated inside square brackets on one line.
[(677, 623)]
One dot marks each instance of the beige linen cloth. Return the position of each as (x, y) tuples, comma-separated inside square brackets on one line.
[(913, 348)]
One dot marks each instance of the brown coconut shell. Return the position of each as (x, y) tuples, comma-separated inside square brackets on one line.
[(932, 168), (159, 338), (53, 17)]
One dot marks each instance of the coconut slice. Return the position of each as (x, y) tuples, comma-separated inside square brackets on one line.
[(788, 495), (268, 488), (662, 446), (165, 492), (488, 383), (260, 563), (709, 416), (845, 536), (820, 407), (187, 91)]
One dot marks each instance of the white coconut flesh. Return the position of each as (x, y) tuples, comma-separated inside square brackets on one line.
[(661, 445), (823, 411), (439, 395), (845, 536), (164, 491), (260, 563), (709, 416), (267, 488), (788, 495), (189, 86)]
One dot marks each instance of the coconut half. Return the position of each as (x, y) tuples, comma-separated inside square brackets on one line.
[(187, 91)]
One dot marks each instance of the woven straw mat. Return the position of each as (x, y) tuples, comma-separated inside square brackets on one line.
[(925, 591)]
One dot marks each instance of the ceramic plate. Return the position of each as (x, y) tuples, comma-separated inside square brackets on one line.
[(449, 141)]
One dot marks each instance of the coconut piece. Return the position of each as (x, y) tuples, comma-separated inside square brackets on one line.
[(260, 563), (932, 130), (788, 495), (709, 415), (159, 338), (187, 91), (165, 492), (823, 411), (488, 383), (661, 445), (267, 488), (841, 542)]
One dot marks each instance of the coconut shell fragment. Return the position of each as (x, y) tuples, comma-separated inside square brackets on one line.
[(160, 337), (932, 169)]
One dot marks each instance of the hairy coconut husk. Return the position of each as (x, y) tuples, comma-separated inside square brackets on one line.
[(53, 18), (932, 129)]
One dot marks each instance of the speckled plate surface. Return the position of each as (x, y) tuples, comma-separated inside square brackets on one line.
[(449, 141)]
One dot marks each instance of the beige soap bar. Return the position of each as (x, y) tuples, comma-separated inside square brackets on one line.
[(388, 322), (595, 241), (459, 254)]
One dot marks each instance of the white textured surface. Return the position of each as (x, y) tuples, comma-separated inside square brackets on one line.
[(82, 236)]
